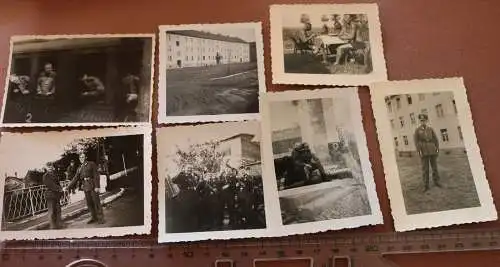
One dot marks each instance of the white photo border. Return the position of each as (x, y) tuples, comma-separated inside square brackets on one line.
[(146, 131), (271, 187), (163, 118), (403, 221), (18, 38), (162, 136), (279, 76)]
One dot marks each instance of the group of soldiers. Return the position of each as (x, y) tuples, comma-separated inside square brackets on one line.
[(92, 90), (230, 200)]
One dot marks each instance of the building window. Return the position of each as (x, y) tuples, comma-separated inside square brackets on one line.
[(396, 143), (410, 101), (421, 97), (398, 103), (203, 57), (460, 135), (405, 140), (187, 58), (192, 57), (392, 124), (412, 118), (455, 106), (169, 58), (444, 135), (389, 106), (402, 121), (177, 43), (439, 110)]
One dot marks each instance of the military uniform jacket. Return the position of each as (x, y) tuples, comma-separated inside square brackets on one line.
[(88, 175), (426, 141), (51, 181)]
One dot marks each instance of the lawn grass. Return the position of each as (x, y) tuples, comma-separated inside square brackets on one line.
[(458, 189)]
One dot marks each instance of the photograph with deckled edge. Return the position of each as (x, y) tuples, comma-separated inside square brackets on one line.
[(210, 72), (65, 80), (321, 167), (431, 153), (75, 183), (326, 44), (210, 182)]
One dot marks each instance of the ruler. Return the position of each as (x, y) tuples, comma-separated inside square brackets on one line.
[(321, 250)]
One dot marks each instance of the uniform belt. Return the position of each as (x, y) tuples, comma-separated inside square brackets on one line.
[(86, 178)]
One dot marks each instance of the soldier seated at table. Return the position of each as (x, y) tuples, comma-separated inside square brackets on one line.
[(347, 34)]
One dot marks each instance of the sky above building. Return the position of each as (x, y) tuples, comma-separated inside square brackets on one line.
[(169, 139), (247, 34), (20, 153)]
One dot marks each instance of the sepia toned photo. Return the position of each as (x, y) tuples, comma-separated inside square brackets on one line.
[(210, 72), (75, 183), (79, 80), (437, 166), (326, 44), (321, 165), (210, 182)]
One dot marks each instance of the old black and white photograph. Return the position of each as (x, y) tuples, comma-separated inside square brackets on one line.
[(79, 80), (320, 158), (325, 44), (428, 133), (210, 72), (75, 183), (210, 182)]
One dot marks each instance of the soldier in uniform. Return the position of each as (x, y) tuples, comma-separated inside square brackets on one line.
[(53, 195), (88, 175), (306, 162), (427, 145)]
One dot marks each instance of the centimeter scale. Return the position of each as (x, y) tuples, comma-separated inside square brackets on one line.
[(359, 250)]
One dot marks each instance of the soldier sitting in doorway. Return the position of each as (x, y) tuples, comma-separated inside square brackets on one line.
[(18, 84), (131, 85), (93, 89), (46, 85)]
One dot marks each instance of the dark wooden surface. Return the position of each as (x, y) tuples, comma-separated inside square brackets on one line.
[(422, 39)]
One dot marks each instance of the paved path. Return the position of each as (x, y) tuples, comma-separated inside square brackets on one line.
[(126, 210), (342, 199), (41, 219)]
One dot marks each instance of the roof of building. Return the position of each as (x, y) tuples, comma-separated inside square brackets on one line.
[(237, 136), (208, 35)]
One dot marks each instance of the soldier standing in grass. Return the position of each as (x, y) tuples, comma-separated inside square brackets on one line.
[(427, 145)]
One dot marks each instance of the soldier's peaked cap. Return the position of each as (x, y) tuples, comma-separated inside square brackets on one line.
[(423, 117)]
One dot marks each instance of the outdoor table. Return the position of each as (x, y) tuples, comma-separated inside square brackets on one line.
[(327, 43)]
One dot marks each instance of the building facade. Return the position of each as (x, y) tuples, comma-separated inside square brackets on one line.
[(241, 150), (191, 48), (441, 110), (321, 123)]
